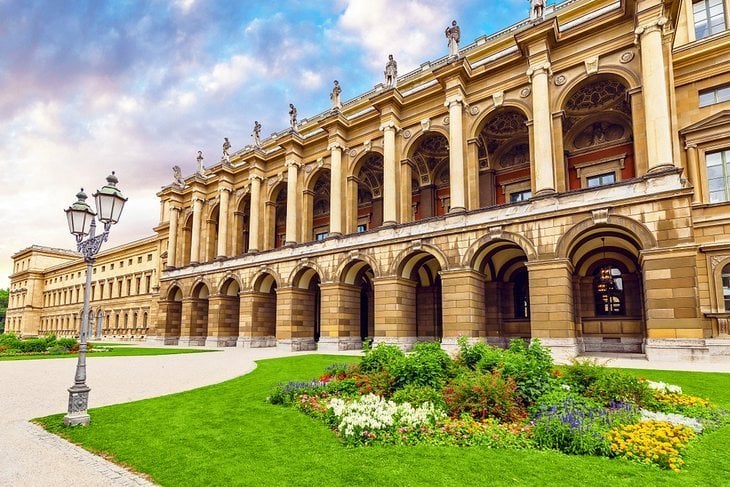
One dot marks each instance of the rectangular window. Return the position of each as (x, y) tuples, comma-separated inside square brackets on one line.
[(601, 180), (147, 284), (321, 236), (520, 196), (362, 228), (103, 268), (149, 257), (718, 175), (715, 95), (709, 17), (111, 267)]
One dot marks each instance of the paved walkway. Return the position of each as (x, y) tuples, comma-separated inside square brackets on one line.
[(31, 388)]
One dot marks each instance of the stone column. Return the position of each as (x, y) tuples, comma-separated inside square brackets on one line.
[(395, 311), (456, 154), (542, 134), (551, 306), (172, 237), (336, 201), (254, 217), (294, 319), (656, 97), (390, 175), (197, 221), (292, 195), (340, 317), (671, 301), (223, 222), (257, 320), (463, 306), (220, 331), (693, 161)]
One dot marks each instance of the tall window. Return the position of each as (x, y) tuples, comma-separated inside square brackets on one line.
[(726, 286), (718, 175), (709, 17), (608, 290)]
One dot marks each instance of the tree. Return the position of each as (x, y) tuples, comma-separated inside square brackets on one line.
[(4, 296)]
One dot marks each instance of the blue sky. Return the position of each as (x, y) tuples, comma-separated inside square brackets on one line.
[(88, 87)]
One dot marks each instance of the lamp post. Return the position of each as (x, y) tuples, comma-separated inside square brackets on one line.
[(82, 222)]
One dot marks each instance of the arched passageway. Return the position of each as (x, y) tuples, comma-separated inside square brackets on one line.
[(368, 211), (223, 314), (429, 164), (299, 311), (195, 316), (257, 325), (421, 270)]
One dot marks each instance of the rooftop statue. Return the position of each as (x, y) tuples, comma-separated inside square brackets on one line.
[(256, 134), (391, 72), (335, 95), (293, 116), (453, 34), (226, 146), (201, 169), (177, 176), (537, 9)]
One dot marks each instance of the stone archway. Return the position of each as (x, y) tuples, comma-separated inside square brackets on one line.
[(194, 329), (257, 324), (298, 315), (429, 162)]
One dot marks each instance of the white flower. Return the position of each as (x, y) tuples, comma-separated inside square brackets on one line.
[(675, 419), (664, 387)]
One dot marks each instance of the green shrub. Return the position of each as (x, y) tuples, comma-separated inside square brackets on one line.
[(428, 365), (530, 366), (492, 358), (383, 357), (10, 341), (33, 345), (417, 395), (581, 374), (489, 433), (66, 343), (470, 355), (484, 395), (343, 387), (615, 385)]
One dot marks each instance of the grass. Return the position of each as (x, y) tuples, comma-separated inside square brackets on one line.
[(124, 351), (226, 434)]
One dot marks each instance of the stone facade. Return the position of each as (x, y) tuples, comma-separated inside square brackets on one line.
[(556, 180)]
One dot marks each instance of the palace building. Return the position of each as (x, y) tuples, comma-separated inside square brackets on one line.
[(566, 178)]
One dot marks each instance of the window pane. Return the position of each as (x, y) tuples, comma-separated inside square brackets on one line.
[(707, 98), (717, 196), (723, 94), (714, 159)]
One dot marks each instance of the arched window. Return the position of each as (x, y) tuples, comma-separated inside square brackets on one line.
[(726, 286), (608, 289)]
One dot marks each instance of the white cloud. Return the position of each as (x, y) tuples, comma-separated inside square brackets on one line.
[(232, 73)]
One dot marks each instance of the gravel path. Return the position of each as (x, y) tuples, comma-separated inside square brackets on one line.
[(31, 388)]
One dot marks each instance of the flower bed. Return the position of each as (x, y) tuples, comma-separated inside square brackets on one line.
[(495, 398), (47, 345)]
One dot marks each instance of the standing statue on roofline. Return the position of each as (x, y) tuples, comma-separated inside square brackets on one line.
[(453, 34), (226, 146), (391, 72), (201, 169), (335, 96), (178, 177), (256, 134), (537, 10), (293, 116)]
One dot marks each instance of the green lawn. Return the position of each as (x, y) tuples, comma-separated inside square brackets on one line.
[(226, 434), (123, 351)]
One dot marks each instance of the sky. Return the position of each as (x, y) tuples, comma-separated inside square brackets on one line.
[(136, 87)]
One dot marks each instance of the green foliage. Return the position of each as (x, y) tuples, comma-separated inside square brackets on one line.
[(384, 357), (484, 395), (470, 355), (417, 395), (489, 433), (581, 374), (343, 387), (615, 385), (285, 393), (427, 365), (4, 298), (529, 365)]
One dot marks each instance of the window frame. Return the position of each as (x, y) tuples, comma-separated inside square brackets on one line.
[(707, 19)]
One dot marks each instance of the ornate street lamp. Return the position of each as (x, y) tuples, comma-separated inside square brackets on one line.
[(82, 222)]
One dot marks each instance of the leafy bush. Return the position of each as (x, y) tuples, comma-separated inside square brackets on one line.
[(380, 383), (66, 343), (578, 426), (483, 395), (470, 355), (10, 341), (383, 357), (416, 395), (427, 365), (530, 366), (285, 393), (345, 387), (581, 374), (615, 385)]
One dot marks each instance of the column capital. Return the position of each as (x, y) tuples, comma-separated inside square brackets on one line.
[(453, 99), (175, 208), (653, 25), (335, 146), (690, 145), (388, 125), (223, 189), (256, 177), (291, 162), (196, 199), (538, 68)]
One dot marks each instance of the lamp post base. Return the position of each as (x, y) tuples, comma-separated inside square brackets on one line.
[(78, 402)]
